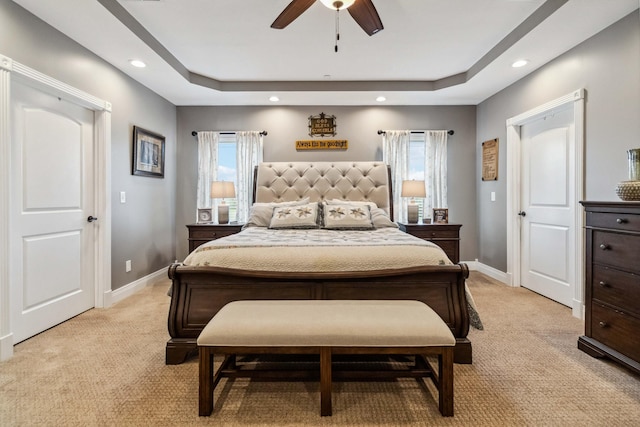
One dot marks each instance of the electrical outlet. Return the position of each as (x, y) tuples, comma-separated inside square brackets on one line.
[(127, 266)]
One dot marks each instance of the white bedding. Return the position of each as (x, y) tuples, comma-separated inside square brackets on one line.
[(317, 250)]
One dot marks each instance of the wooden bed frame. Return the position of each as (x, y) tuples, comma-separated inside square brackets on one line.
[(199, 292)]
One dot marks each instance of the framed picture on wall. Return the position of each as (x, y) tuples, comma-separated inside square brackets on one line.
[(440, 215), (148, 153)]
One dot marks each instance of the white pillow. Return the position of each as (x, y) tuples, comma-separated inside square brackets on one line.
[(380, 219), (347, 216), (260, 213), (300, 216), (350, 202)]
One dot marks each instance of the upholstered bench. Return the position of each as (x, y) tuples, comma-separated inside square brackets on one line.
[(326, 328)]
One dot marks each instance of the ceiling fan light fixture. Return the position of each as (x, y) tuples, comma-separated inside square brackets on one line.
[(337, 4)]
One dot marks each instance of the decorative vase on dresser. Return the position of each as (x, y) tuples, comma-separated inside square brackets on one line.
[(612, 297)]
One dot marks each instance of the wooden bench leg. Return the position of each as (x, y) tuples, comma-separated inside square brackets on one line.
[(205, 388), (325, 381), (445, 377)]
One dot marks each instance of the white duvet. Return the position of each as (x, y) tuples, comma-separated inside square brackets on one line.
[(317, 250)]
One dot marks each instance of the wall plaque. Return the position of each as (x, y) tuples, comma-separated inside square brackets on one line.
[(322, 125), (329, 144), (490, 160)]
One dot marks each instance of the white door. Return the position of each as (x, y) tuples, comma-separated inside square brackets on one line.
[(52, 243), (547, 206)]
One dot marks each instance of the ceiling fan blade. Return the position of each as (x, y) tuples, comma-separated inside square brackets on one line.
[(365, 14), (291, 12)]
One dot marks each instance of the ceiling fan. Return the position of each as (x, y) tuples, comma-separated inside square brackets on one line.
[(362, 11)]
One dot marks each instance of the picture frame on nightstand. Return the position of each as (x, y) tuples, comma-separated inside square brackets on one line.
[(205, 216), (440, 215)]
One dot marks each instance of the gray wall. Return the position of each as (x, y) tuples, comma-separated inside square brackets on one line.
[(143, 228), (608, 67), (359, 125)]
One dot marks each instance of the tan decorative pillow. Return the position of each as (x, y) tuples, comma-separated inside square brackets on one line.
[(347, 216), (301, 216), (260, 213)]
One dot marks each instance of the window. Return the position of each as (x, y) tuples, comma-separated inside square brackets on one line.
[(232, 157), (429, 159), (227, 169)]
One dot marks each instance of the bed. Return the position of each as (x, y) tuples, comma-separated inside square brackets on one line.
[(295, 257)]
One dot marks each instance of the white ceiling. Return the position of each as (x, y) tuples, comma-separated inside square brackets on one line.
[(426, 48)]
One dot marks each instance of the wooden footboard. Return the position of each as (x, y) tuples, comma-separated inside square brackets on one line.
[(199, 292)]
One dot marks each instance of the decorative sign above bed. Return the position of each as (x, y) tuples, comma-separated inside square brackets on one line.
[(322, 125), (329, 144)]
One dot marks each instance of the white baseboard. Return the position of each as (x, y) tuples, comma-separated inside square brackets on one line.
[(133, 287), (498, 275), (6, 347)]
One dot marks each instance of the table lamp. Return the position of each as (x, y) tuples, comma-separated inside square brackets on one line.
[(413, 189), (222, 190)]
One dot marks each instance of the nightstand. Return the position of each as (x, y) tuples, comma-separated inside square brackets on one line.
[(447, 236), (202, 233)]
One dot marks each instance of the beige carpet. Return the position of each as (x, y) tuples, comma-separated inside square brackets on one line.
[(106, 367)]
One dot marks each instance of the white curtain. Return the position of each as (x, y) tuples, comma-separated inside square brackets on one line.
[(395, 153), (248, 154), (435, 169), (207, 169)]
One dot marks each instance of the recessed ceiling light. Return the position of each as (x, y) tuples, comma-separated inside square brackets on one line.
[(520, 63), (274, 98), (381, 99), (137, 63)]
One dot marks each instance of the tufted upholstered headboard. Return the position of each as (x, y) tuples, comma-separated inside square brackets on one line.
[(355, 181)]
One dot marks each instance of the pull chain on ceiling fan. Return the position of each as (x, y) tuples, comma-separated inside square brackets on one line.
[(362, 11)]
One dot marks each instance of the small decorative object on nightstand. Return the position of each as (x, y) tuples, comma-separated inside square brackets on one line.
[(447, 236), (222, 190), (413, 189), (202, 233), (204, 216)]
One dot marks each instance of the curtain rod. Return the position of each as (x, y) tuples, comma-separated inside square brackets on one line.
[(263, 133), (381, 132)]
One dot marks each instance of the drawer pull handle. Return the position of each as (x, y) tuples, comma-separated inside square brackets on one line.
[(604, 284), (604, 246), (621, 220), (603, 324)]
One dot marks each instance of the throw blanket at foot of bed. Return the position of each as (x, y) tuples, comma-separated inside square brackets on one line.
[(326, 328)]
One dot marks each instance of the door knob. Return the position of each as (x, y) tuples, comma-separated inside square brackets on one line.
[(522, 213), (91, 218)]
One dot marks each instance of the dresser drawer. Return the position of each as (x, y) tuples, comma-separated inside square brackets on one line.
[(616, 221), (616, 288), (435, 234), (209, 234), (616, 329), (617, 250)]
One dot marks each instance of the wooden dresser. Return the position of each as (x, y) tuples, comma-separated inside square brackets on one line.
[(612, 297), (202, 233), (447, 236)]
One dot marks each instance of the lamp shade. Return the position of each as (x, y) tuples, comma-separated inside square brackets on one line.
[(338, 5), (222, 189), (413, 188)]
